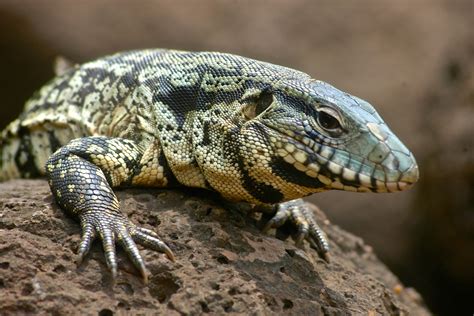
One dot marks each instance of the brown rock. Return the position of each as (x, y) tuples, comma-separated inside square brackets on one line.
[(224, 263)]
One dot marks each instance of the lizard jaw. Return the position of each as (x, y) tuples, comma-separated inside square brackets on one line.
[(317, 161)]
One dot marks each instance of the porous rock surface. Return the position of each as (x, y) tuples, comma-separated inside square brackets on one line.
[(224, 263)]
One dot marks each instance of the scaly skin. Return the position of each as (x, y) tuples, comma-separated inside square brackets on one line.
[(249, 130)]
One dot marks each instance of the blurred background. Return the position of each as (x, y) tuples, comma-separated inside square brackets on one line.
[(413, 60)]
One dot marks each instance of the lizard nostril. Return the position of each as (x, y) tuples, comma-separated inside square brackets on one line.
[(396, 163), (379, 153)]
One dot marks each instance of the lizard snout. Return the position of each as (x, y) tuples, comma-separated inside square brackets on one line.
[(409, 177)]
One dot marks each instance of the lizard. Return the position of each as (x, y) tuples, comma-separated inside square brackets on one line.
[(252, 131)]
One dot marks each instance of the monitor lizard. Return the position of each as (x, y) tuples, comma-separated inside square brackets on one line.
[(249, 130)]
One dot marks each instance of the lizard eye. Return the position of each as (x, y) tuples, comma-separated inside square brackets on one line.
[(328, 121), (258, 105)]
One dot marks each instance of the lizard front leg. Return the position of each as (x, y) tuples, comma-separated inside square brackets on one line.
[(300, 215), (81, 176)]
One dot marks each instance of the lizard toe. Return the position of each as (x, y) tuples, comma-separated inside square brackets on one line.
[(127, 243), (302, 234), (278, 219), (147, 231), (88, 236), (108, 244), (151, 240), (320, 242)]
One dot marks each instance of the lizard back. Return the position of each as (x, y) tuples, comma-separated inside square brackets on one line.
[(148, 95)]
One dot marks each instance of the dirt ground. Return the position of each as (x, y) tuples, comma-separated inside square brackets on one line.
[(413, 60)]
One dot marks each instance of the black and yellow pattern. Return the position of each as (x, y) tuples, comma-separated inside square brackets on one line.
[(81, 175), (249, 130)]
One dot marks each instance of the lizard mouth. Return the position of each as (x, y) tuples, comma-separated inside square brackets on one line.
[(337, 169)]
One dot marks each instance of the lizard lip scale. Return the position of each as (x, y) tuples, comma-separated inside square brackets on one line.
[(409, 178), (311, 157), (249, 130)]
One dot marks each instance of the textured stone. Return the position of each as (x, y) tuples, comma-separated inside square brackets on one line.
[(224, 263)]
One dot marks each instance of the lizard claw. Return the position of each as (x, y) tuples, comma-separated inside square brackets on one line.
[(114, 228), (302, 217), (88, 236)]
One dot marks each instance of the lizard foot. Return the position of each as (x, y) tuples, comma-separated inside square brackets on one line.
[(115, 227), (298, 212)]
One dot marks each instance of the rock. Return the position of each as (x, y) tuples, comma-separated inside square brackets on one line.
[(225, 264)]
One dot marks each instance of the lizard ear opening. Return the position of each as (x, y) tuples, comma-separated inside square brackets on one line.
[(258, 105)]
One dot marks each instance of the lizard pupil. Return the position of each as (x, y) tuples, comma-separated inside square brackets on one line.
[(327, 121)]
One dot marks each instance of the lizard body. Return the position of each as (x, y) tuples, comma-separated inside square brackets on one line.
[(249, 130)]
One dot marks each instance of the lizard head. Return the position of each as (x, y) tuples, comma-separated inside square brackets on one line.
[(324, 139)]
